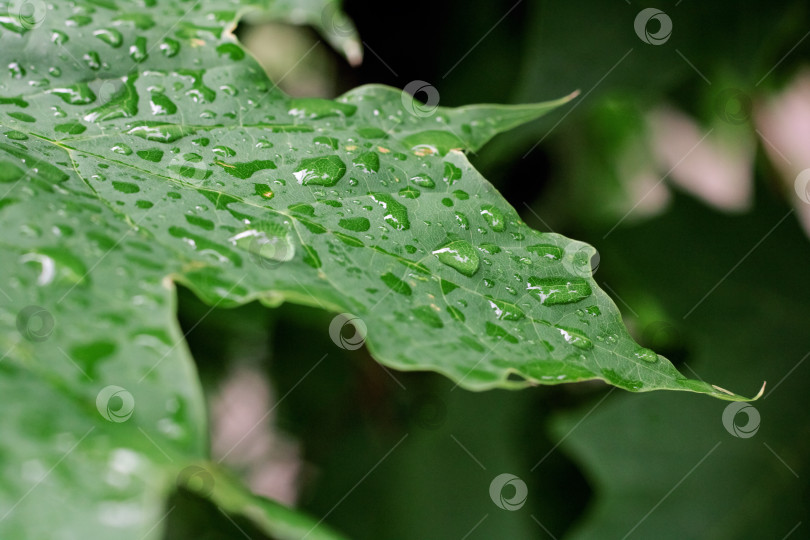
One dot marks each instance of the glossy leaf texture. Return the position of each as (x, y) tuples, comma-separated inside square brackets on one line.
[(102, 410), (141, 146)]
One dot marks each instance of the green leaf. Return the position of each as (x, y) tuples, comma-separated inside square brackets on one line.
[(141, 147)]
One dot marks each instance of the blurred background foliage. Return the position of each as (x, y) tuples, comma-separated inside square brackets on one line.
[(678, 163)]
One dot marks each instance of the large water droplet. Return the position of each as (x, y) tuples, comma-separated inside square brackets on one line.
[(368, 162), (245, 170), (396, 213), (161, 105), (266, 240), (122, 149), (315, 108), (321, 171), (575, 338), (77, 94), (462, 221), (357, 224), (122, 104), (546, 251), (159, 132), (558, 290), (506, 311), (137, 51), (396, 284), (460, 256), (423, 180), (198, 92), (110, 36), (452, 174), (428, 316), (232, 51), (433, 142), (494, 217)]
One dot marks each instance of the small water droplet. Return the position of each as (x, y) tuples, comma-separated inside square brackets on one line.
[(423, 180), (647, 355)]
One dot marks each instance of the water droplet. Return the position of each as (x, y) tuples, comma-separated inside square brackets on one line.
[(460, 256), (452, 174), (491, 249), (122, 149), (58, 37), (499, 333), (494, 217), (16, 70), (161, 105), (321, 171), (153, 154), (428, 315), (368, 162), (122, 104), (16, 135), (456, 313), (110, 36), (141, 21), (126, 187), (546, 251), (267, 240), (78, 20), (505, 311), (329, 142), (199, 92), (409, 192), (311, 257), (159, 132), (9, 172), (358, 224), (575, 338), (22, 117), (396, 284), (647, 355), (232, 51), (433, 142), (423, 180), (71, 128), (462, 221), (316, 108), (92, 60), (169, 47), (77, 94), (558, 290), (246, 169), (396, 213)]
